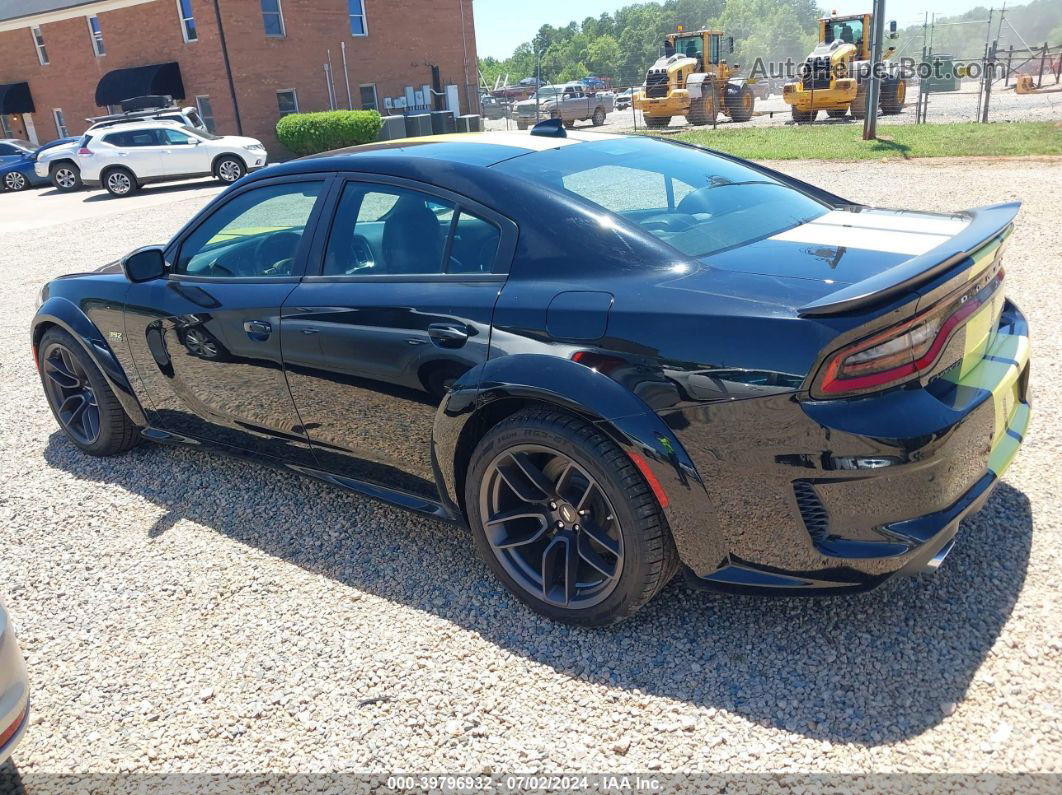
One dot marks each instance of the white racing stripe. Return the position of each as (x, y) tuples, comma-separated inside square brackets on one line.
[(880, 230)]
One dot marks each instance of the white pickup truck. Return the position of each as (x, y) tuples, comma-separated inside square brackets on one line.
[(570, 103)]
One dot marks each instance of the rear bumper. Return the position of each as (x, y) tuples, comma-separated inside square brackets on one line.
[(867, 488)]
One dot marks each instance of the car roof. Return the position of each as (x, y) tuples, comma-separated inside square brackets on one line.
[(149, 124)]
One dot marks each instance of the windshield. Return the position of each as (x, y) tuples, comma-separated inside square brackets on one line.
[(694, 201), (200, 133), (21, 144), (546, 92)]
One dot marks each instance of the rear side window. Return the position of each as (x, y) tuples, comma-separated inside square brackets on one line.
[(381, 230)]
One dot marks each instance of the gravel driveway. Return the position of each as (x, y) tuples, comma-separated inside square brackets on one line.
[(184, 612)]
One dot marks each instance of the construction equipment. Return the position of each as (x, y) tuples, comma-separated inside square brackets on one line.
[(835, 76), (691, 79)]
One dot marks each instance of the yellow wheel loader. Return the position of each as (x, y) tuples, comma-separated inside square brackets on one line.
[(693, 80), (835, 76)]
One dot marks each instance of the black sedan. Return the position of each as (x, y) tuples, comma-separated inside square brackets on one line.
[(613, 357)]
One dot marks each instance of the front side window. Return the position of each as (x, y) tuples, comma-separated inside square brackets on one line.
[(96, 36), (188, 29), (695, 201), (356, 11), (254, 235), (206, 112), (60, 123), (38, 42), (287, 102), (272, 18)]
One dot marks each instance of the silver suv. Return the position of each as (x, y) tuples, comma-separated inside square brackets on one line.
[(59, 164)]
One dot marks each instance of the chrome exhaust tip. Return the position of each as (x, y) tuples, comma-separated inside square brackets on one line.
[(937, 559)]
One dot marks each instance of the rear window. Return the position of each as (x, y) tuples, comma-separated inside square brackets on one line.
[(695, 201)]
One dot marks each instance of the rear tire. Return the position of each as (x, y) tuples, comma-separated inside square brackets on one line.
[(120, 182), (893, 96), (704, 110), (741, 104), (599, 117), (657, 122), (804, 116), (588, 479), (80, 398), (65, 177), (837, 114)]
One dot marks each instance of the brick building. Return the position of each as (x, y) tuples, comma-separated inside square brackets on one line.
[(244, 63)]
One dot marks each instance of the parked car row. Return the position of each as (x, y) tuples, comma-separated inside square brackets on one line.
[(122, 152)]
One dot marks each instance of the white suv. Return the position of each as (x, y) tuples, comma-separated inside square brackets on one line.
[(123, 158), (59, 164)]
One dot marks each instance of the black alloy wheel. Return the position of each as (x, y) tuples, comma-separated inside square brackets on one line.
[(551, 526), (80, 397), (71, 394), (565, 520)]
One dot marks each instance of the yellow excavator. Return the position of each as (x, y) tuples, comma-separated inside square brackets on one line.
[(693, 80), (834, 77)]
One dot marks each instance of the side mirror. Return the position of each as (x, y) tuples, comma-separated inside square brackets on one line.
[(730, 43), (144, 264), (192, 141)]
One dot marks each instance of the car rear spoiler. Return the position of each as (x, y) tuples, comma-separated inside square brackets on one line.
[(985, 224)]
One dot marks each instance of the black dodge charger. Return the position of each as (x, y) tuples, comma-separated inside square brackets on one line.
[(612, 357)]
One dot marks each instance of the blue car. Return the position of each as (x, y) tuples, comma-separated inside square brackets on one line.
[(16, 163)]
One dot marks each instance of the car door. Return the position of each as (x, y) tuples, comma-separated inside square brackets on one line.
[(399, 307), (138, 150), (206, 337), (183, 153)]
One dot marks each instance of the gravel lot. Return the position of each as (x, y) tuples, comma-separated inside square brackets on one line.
[(183, 612)]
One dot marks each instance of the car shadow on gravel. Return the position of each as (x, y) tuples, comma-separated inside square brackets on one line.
[(870, 669)]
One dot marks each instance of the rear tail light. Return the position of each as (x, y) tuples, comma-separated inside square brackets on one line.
[(84, 151), (901, 352)]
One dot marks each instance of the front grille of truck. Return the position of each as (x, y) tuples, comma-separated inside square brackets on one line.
[(816, 74), (812, 511), (656, 84)]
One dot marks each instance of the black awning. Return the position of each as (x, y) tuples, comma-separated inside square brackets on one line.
[(139, 81), (16, 98)]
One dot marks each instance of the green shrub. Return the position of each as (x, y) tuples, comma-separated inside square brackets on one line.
[(310, 133)]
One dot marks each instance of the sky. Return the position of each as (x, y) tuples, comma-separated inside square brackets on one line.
[(501, 25)]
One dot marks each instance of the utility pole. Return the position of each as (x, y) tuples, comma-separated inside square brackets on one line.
[(870, 121)]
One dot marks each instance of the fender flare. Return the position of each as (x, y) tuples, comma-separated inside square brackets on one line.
[(624, 417), (64, 313)]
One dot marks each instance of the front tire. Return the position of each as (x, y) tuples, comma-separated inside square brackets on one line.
[(120, 182), (804, 116), (229, 169), (657, 122), (80, 398), (65, 177), (598, 118), (565, 520), (741, 104), (14, 181)]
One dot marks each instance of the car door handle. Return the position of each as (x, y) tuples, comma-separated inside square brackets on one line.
[(448, 335), (257, 329)]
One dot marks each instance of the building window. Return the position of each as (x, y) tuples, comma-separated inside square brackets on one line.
[(96, 36), (114, 109), (38, 42), (368, 97), (287, 101), (5, 128), (356, 10), (184, 13), (206, 112), (60, 123), (273, 18)]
